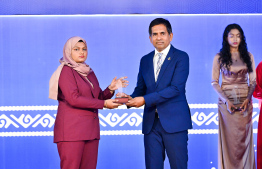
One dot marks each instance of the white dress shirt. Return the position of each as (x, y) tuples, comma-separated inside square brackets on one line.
[(155, 59)]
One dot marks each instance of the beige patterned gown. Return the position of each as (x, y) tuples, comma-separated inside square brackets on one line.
[(235, 144)]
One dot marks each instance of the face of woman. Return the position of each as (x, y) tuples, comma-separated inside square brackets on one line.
[(79, 52), (234, 38)]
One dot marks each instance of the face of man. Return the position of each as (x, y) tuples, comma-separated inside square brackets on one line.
[(160, 37)]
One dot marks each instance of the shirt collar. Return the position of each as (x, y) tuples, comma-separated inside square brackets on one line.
[(165, 51)]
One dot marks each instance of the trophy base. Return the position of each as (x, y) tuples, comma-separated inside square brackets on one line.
[(238, 109), (122, 99)]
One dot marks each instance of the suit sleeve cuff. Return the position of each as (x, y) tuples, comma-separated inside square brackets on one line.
[(108, 93), (101, 104), (150, 99)]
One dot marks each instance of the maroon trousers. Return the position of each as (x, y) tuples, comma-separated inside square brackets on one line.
[(78, 154)]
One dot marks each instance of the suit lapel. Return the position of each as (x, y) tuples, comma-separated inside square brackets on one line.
[(150, 68), (88, 83), (167, 61)]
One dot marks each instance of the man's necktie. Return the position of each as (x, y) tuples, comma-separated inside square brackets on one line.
[(159, 64)]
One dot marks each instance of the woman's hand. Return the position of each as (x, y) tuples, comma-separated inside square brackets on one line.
[(230, 107), (111, 104), (244, 106), (117, 83)]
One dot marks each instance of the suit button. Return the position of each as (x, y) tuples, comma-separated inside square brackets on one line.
[(94, 117)]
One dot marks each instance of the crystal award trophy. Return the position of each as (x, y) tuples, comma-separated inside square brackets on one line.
[(121, 96)]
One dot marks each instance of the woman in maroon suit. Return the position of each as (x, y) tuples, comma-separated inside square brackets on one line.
[(258, 94), (77, 90)]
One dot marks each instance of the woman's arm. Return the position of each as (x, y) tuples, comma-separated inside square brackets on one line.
[(252, 85), (252, 79), (106, 94), (68, 86), (215, 83), (215, 79)]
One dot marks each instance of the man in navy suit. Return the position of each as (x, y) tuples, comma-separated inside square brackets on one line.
[(161, 89)]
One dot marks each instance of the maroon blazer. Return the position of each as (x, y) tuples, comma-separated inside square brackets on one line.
[(77, 114)]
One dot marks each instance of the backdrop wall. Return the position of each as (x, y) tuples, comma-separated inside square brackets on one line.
[(61, 7)]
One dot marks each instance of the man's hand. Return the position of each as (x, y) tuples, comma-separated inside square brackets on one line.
[(136, 102)]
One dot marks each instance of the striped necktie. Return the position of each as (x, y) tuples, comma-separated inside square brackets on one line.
[(159, 64)]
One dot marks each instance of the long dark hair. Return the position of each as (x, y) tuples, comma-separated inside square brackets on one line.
[(225, 55)]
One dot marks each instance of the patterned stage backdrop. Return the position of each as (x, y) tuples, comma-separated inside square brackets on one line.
[(30, 47)]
